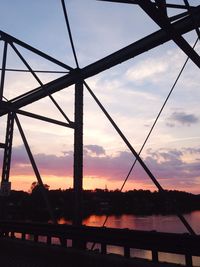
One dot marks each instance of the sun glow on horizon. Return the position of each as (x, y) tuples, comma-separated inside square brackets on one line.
[(24, 182)]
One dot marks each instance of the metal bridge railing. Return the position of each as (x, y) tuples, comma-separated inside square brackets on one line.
[(185, 244)]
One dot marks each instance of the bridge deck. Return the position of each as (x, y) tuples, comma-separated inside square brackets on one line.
[(25, 245), (17, 253)]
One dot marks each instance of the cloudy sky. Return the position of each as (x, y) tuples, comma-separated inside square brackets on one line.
[(132, 93)]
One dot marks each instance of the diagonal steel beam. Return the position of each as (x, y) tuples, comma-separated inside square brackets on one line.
[(46, 119), (38, 71), (10, 39), (35, 169), (120, 1), (38, 80), (164, 23), (69, 32), (135, 2), (189, 10), (178, 16), (8, 107), (151, 41), (160, 3), (137, 157)]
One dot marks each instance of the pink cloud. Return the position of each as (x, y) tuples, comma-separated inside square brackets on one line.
[(167, 165)]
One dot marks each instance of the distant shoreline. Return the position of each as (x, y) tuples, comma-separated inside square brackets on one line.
[(21, 205)]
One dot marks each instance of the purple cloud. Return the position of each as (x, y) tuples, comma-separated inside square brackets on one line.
[(168, 166), (95, 149), (181, 118)]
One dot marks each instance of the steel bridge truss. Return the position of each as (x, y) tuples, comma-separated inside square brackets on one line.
[(171, 28)]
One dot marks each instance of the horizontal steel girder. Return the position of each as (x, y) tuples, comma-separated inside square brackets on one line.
[(151, 41)]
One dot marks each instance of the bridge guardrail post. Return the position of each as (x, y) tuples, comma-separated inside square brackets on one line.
[(23, 236), (12, 234), (48, 240), (188, 260), (63, 241), (35, 238), (126, 252), (154, 255), (79, 244), (103, 248)]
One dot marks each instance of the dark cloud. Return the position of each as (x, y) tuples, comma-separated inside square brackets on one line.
[(181, 118)]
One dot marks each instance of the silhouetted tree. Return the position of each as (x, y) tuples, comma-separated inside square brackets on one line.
[(35, 186)]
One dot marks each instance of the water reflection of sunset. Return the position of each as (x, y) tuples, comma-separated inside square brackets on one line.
[(63, 221), (94, 220), (160, 223)]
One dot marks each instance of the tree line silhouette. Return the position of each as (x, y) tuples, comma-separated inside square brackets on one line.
[(20, 205)]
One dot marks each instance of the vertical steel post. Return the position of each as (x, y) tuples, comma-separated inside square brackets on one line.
[(3, 69), (162, 6), (5, 184), (8, 147), (78, 154)]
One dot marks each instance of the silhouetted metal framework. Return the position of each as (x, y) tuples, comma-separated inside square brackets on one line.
[(171, 28)]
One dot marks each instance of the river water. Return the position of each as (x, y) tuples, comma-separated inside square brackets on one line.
[(168, 223)]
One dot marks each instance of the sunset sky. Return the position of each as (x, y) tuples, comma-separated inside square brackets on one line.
[(132, 93)]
